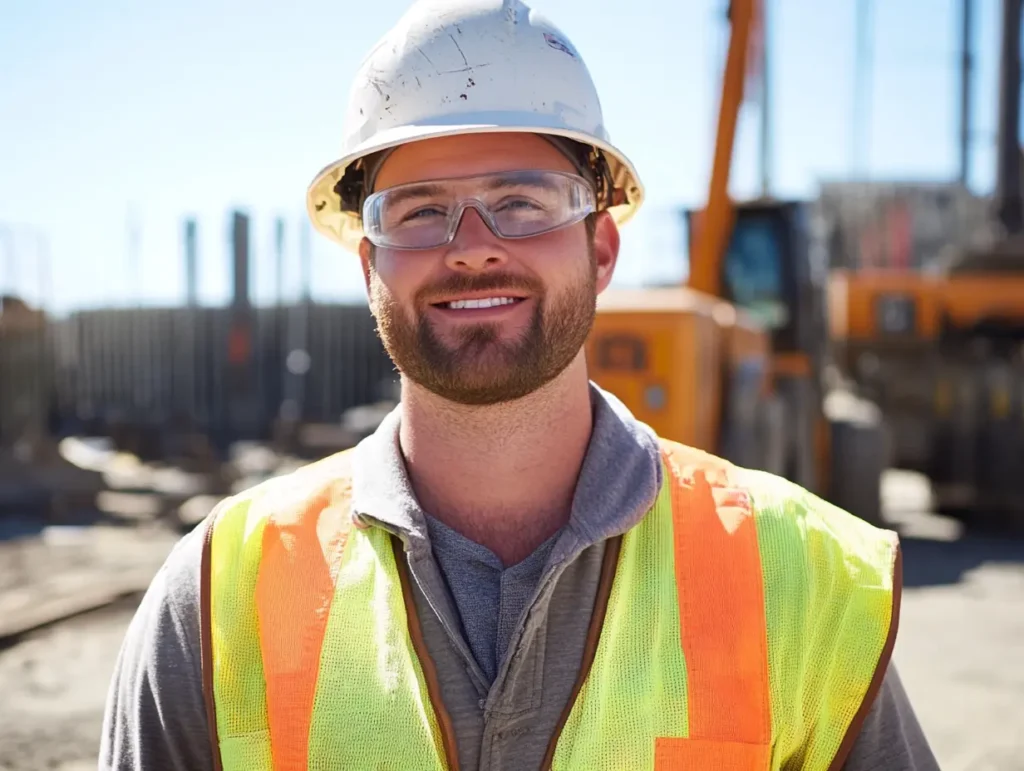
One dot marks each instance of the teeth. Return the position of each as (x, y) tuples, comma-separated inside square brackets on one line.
[(487, 302)]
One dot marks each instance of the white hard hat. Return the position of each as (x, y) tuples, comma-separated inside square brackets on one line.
[(467, 67)]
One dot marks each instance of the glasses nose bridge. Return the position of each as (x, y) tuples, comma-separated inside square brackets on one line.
[(470, 202), (473, 250)]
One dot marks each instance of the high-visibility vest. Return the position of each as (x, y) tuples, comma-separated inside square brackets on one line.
[(742, 624)]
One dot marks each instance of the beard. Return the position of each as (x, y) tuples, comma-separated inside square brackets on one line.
[(478, 366)]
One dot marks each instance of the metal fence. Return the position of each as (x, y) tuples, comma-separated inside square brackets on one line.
[(25, 384), (221, 371)]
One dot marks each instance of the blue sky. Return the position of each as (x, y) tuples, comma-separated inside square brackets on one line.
[(113, 112)]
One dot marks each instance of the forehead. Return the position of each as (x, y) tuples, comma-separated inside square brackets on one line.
[(461, 156)]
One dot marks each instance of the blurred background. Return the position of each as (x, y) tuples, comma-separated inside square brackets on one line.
[(172, 331)]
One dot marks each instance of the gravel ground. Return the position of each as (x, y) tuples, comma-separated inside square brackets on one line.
[(961, 646), (960, 650), (55, 684), (65, 570), (54, 680)]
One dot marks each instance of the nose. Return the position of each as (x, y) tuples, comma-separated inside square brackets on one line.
[(475, 248)]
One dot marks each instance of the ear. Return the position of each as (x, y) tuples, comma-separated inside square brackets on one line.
[(606, 249), (366, 258)]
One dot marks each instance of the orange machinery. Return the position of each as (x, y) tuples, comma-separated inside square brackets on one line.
[(733, 363), (942, 352)]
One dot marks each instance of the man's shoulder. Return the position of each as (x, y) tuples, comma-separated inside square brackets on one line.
[(781, 503), (308, 490), (175, 588), (177, 582), (685, 461), (331, 475), (154, 715), (786, 513)]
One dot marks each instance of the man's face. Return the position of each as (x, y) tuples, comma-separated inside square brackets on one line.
[(474, 355)]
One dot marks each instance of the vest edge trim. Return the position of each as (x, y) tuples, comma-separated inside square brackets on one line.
[(609, 566), (448, 741), (206, 639), (880, 669)]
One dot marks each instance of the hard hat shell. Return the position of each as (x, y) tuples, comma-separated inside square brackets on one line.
[(452, 67)]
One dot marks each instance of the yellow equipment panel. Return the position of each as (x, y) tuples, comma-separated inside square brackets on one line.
[(663, 352)]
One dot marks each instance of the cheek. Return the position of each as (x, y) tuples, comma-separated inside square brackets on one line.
[(394, 278), (558, 259), (380, 295)]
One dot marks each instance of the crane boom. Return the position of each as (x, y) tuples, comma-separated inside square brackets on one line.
[(715, 222)]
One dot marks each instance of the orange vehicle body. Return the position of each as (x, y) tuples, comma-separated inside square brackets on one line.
[(939, 303), (942, 354)]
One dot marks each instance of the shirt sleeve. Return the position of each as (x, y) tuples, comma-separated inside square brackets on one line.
[(155, 716), (891, 738)]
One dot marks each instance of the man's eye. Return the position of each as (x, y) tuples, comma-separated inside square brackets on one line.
[(518, 203), (424, 213)]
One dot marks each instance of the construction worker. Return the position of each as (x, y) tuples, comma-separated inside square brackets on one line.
[(511, 572)]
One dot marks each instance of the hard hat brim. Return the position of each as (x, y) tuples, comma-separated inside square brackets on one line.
[(345, 228)]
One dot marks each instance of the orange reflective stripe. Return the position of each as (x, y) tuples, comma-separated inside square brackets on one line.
[(302, 550), (721, 603), (710, 755)]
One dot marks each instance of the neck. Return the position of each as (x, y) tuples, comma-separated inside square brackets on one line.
[(503, 475)]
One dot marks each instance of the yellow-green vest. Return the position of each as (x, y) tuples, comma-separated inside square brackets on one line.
[(742, 624)]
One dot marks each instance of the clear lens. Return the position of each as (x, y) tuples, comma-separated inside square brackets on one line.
[(514, 204)]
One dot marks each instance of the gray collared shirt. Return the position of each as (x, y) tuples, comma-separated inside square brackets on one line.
[(507, 642), (489, 596)]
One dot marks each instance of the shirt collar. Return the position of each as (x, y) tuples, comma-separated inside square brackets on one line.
[(618, 482)]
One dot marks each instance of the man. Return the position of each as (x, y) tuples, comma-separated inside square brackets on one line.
[(512, 572)]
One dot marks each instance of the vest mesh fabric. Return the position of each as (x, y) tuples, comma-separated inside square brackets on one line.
[(827, 594), (372, 709), (238, 681), (362, 646), (636, 689), (829, 598)]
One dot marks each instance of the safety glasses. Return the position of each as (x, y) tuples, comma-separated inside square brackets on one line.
[(514, 204)]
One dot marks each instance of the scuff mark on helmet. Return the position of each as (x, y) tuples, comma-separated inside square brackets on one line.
[(463, 55), (510, 11), (469, 68), (378, 84), (429, 61)]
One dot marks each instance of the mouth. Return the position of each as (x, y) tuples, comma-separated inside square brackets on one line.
[(478, 303)]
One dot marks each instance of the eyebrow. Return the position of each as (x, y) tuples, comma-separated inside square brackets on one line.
[(405, 193), (527, 178), (414, 191)]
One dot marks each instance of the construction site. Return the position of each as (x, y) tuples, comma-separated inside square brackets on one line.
[(865, 342)]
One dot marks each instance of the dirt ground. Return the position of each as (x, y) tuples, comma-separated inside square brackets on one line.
[(960, 652), (55, 685), (960, 649)]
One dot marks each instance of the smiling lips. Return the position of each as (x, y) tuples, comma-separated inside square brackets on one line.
[(481, 302)]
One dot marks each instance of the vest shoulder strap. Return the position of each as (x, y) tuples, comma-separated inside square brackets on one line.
[(849, 592), (303, 520), (718, 565), (738, 533)]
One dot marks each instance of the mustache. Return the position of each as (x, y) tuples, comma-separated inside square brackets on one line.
[(458, 283)]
